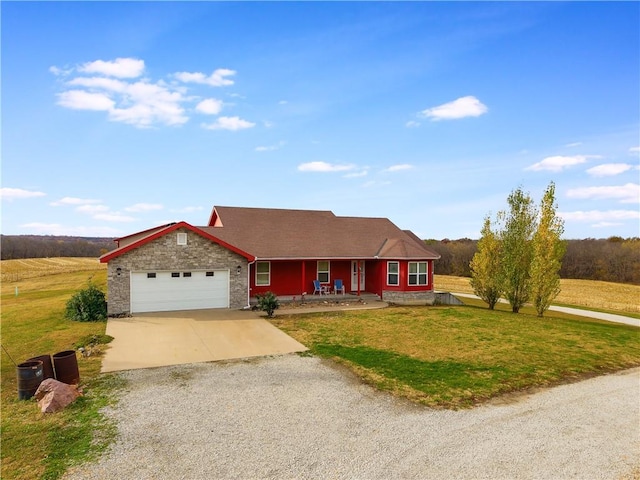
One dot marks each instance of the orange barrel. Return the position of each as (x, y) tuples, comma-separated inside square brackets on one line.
[(47, 366), (29, 379), (66, 367)]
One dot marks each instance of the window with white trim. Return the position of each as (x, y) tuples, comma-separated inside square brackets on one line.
[(263, 273), (323, 271), (418, 273), (393, 273), (182, 238)]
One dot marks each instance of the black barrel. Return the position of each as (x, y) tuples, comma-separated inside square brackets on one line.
[(66, 366), (47, 366), (29, 379)]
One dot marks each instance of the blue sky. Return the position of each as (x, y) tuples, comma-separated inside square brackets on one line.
[(117, 117)]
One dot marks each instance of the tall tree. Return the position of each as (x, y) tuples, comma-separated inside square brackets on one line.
[(485, 266), (548, 250), (517, 248)]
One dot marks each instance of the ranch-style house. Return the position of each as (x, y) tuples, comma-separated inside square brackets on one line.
[(243, 252)]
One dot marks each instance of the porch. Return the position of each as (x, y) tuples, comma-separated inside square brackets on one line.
[(364, 297)]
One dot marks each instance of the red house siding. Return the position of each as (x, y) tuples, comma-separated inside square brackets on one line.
[(287, 276), (404, 277), (293, 277)]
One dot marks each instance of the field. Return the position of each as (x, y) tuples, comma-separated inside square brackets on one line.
[(36, 445), (16, 270), (455, 357), (446, 357), (618, 298)]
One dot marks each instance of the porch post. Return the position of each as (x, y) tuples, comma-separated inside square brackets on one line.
[(358, 273)]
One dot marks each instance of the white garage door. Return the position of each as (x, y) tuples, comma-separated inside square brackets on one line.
[(179, 290)]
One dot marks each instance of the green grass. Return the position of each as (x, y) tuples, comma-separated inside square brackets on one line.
[(456, 357), (440, 356), (37, 445)]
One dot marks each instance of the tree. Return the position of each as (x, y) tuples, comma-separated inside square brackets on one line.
[(517, 252), (485, 266), (548, 250)]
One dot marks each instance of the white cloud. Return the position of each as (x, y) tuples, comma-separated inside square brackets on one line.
[(209, 106), (270, 148), (628, 193), (120, 67), (462, 107), (373, 183), (323, 167), (634, 150), (574, 144), (42, 227), (141, 104), (216, 79), (83, 100), (151, 103), (10, 194), (57, 71), (600, 215), (74, 201), (609, 169), (229, 123), (96, 210), (57, 229), (412, 124), (108, 86), (144, 207), (361, 173), (186, 209), (606, 224), (397, 168), (113, 217), (558, 163), (92, 209)]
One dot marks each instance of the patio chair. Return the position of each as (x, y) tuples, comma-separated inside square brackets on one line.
[(338, 286), (317, 288)]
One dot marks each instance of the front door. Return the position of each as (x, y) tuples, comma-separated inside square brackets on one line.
[(354, 275)]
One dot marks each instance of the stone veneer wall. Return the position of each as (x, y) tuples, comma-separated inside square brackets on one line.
[(413, 298), (164, 253)]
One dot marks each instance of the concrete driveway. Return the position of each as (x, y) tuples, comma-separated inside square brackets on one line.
[(173, 338)]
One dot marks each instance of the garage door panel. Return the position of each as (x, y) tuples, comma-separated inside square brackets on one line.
[(165, 292)]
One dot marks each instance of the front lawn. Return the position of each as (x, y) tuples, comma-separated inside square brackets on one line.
[(458, 356), (37, 445)]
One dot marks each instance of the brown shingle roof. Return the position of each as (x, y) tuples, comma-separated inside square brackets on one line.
[(281, 234)]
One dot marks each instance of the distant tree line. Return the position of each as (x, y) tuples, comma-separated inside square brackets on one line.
[(43, 246), (614, 259)]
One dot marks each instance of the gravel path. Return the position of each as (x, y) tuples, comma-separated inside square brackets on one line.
[(292, 417)]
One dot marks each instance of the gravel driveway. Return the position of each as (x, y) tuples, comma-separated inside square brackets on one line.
[(292, 417)]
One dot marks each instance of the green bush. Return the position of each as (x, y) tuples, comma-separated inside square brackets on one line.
[(268, 303), (87, 305)]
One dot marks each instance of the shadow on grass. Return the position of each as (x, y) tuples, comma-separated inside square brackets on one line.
[(447, 383)]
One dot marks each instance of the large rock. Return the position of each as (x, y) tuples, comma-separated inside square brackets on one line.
[(53, 395)]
